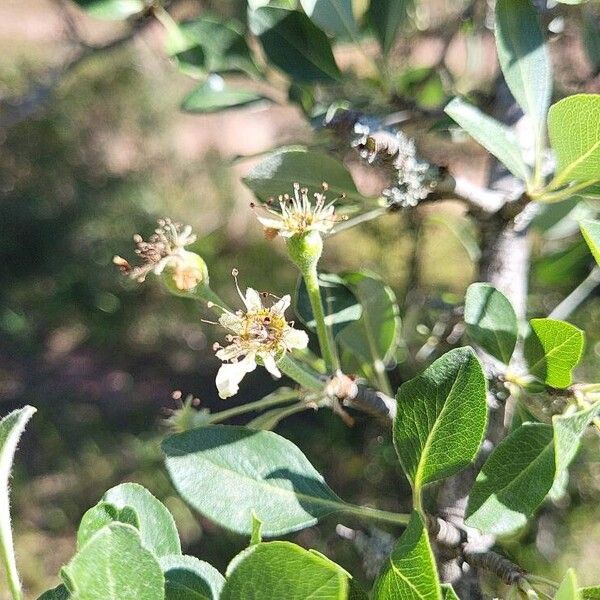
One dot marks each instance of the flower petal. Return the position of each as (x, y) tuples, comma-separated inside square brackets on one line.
[(270, 364), (252, 300), (281, 305), (229, 352), (230, 375), (295, 338)]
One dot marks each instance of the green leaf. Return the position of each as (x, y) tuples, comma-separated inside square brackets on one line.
[(574, 131), (524, 58), (294, 44), (448, 592), (278, 171), (187, 578), (514, 480), (590, 593), (101, 515), (114, 565), (112, 10), (568, 430), (373, 338), (215, 46), (491, 321), (522, 469), (553, 349), (276, 570), (386, 17), (156, 524), (591, 234), (568, 587), (257, 471), (11, 428), (271, 418), (411, 572), (60, 592), (340, 304), (492, 135), (441, 417), (215, 95), (333, 16)]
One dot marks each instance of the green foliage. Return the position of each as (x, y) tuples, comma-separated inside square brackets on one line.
[(294, 44), (553, 349), (112, 10), (373, 338), (448, 592), (410, 573), (114, 565), (214, 45), (259, 471), (341, 305), (441, 418), (386, 17), (522, 469), (155, 523), (491, 321), (274, 570), (215, 95), (590, 593), (524, 58), (492, 135), (514, 480), (101, 515), (187, 578), (568, 588), (333, 16), (574, 131), (60, 592), (591, 234), (278, 171), (11, 429)]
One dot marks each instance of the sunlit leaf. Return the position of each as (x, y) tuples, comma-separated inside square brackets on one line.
[(574, 130), (258, 472), (411, 572), (441, 417), (492, 135), (524, 57), (187, 578), (491, 320), (591, 234), (276, 570), (215, 95), (332, 16), (552, 350), (114, 565)]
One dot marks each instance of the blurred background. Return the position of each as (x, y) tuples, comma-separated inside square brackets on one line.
[(95, 150)]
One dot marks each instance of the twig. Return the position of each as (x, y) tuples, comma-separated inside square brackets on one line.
[(577, 296)]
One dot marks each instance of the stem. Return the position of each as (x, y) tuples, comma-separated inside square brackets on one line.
[(300, 374), (323, 333), (378, 515), (550, 197), (577, 296), (367, 216), (278, 397), (14, 585)]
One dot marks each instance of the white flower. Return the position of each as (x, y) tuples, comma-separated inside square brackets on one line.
[(259, 333), (297, 214), (165, 250)]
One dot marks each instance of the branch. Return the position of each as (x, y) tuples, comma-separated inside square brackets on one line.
[(577, 296), (14, 111)]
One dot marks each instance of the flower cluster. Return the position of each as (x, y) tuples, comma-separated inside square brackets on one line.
[(260, 333), (165, 252), (297, 214)]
